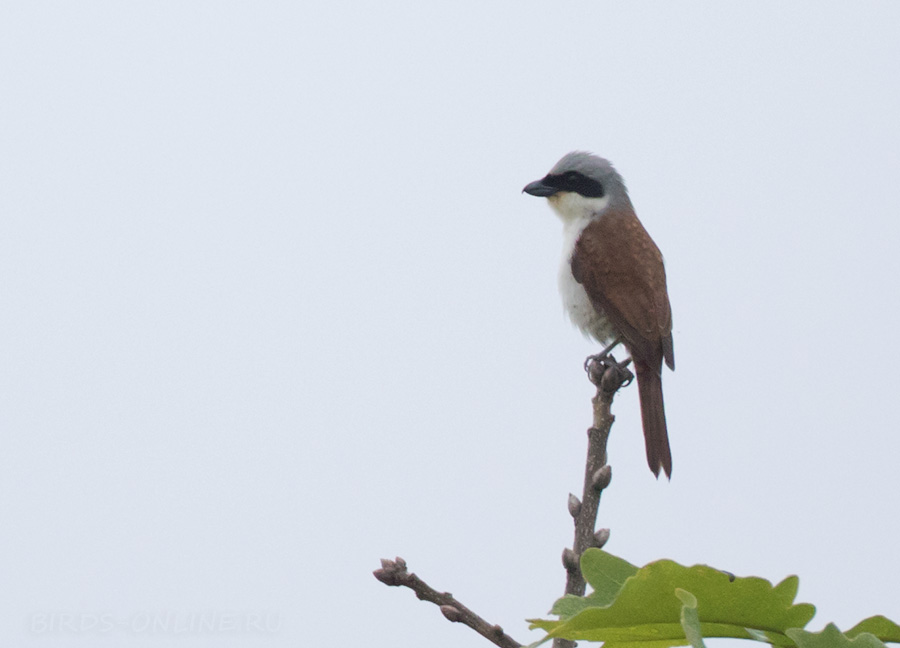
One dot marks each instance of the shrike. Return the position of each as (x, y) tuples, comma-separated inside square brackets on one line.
[(612, 280)]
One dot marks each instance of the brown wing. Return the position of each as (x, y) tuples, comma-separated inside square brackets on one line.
[(622, 272)]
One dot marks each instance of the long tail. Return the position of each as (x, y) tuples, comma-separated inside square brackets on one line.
[(653, 415)]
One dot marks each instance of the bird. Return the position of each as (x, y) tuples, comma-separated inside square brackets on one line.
[(613, 281)]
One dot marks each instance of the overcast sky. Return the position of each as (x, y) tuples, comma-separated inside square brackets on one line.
[(273, 307)]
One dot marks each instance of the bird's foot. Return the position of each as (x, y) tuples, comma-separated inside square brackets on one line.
[(599, 357), (606, 372)]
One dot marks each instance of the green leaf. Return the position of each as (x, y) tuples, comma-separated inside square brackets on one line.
[(831, 637), (690, 620), (606, 574), (879, 626), (647, 610)]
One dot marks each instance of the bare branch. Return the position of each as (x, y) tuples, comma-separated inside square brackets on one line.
[(608, 376), (395, 574)]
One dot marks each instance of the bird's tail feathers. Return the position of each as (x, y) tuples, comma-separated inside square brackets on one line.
[(653, 416)]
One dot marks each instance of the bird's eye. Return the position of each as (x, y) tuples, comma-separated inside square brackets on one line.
[(581, 184)]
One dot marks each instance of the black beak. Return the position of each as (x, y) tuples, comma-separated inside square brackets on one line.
[(538, 188)]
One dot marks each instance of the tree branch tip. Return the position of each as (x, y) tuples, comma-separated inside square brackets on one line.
[(388, 577), (384, 577), (392, 572), (614, 377), (601, 477), (574, 505), (595, 371)]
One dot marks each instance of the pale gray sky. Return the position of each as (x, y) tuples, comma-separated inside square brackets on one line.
[(272, 307)]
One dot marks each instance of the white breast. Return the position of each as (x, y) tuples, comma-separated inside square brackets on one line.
[(576, 302)]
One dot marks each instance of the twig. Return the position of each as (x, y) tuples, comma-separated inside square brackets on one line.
[(394, 573), (608, 376)]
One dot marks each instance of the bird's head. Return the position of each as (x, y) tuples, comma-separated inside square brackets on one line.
[(580, 185)]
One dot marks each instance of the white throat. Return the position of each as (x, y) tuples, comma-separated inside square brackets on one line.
[(570, 206), (576, 213)]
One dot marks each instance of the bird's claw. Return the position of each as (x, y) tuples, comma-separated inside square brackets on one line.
[(597, 366)]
